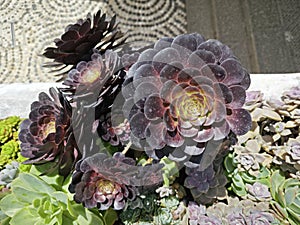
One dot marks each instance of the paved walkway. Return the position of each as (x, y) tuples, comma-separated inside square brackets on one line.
[(264, 34)]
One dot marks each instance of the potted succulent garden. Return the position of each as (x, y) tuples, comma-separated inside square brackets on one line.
[(166, 134)]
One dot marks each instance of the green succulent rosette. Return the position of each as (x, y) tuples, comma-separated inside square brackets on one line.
[(45, 202), (286, 198)]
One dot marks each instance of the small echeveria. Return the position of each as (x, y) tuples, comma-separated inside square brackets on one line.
[(237, 218), (205, 220), (195, 210), (253, 100), (164, 217), (259, 191), (260, 218), (8, 174), (293, 149)]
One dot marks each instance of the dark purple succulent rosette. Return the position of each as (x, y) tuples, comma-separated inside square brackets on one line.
[(89, 77), (205, 186), (47, 133), (185, 92), (79, 39), (103, 181), (92, 87), (115, 134)]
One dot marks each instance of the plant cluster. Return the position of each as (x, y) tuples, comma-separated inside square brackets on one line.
[(9, 146), (10, 156), (157, 135), (44, 200), (263, 165)]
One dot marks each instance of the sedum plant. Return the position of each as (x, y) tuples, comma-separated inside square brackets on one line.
[(9, 145), (8, 128)]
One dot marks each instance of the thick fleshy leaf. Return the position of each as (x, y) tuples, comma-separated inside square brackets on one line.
[(155, 134), (221, 130), (144, 90), (166, 90), (70, 35), (138, 125), (43, 97), (128, 89), (179, 90), (204, 135), (219, 110), (186, 41), (226, 53), (201, 80), (170, 123), (144, 73), (85, 27), (246, 81), (163, 43), (170, 71), (208, 92), (184, 123), (129, 108), (199, 38), (235, 72), (239, 97), (173, 139), (186, 75), (154, 107), (212, 46), (215, 72), (165, 56), (239, 121), (178, 155), (193, 149), (223, 92), (189, 132), (147, 55), (199, 58)]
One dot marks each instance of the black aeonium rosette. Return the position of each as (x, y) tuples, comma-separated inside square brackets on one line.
[(183, 93), (103, 181), (92, 88), (92, 79), (80, 39), (47, 135)]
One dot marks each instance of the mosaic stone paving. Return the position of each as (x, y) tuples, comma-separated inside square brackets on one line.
[(28, 26)]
